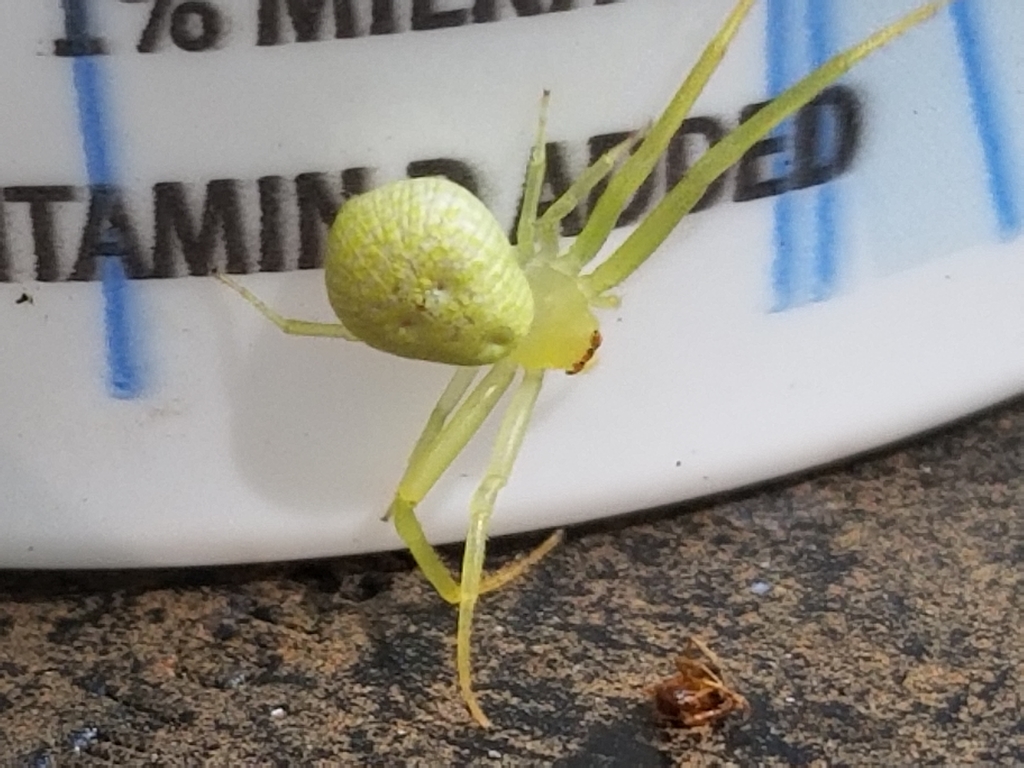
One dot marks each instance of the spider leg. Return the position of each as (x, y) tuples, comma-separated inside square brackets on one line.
[(638, 167), (429, 460), (646, 238), (511, 571), (506, 448), (449, 428), (453, 393), (532, 186), (549, 223), (545, 228), (289, 325)]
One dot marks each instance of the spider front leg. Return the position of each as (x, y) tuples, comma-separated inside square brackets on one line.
[(537, 237), (506, 448), (550, 222), (681, 199), (447, 432)]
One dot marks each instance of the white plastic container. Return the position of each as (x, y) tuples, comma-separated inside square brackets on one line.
[(163, 421)]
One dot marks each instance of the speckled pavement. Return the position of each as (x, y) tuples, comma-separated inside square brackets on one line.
[(871, 614)]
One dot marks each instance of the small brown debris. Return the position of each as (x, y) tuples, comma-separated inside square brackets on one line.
[(696, 695)]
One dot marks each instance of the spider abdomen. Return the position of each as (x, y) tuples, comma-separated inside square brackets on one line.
[(420, 268)]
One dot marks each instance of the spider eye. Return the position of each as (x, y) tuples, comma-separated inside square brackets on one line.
[(420, 268)]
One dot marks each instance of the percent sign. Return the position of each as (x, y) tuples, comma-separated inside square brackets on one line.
[(195, 25)]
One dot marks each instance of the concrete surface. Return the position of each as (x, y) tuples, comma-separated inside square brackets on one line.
[(870, 613)]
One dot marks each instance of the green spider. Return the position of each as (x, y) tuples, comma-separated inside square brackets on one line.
[(420, 268)]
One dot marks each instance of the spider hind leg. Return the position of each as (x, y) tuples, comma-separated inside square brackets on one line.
[(290, 325)]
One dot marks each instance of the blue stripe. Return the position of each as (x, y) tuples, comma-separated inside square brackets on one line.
[(987, 118), (125, 376), (779, 13), (92, 119), (826, 256), (819, 25)]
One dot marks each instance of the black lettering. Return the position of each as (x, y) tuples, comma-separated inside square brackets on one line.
[(641, 198), (459, 171), (307, 20), (487, 10), (77, 41), (268, 23), (271, 244), (318, 205), (344, 19), (151, 33), (5, 253), (425, 17), (39, 200), (680, 157), (196, 26), (384, 22), (306, 16), (751, 184), (828, 133), (174, 222), (556, 5), (108, 232)]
